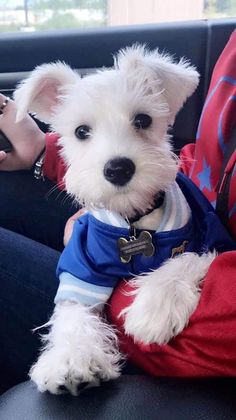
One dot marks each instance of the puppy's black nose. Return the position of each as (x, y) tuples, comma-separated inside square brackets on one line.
[(119, 171)]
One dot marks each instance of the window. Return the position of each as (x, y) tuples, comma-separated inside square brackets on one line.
[(32, 15)]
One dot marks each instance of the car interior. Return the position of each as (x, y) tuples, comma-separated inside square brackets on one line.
[(131, 396)]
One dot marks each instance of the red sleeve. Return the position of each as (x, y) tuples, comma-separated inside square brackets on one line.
[(54, 167), (207, 346), (187, 158), (202, 161)]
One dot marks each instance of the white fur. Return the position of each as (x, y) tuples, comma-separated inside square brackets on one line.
[(80, 347), (166, 298), (177, 81), (141, 82), (40, 93)]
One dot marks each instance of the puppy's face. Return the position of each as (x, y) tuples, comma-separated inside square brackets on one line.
[(113, 127), (113, 133)]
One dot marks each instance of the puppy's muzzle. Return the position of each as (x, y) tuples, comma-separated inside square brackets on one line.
[(119, 171)]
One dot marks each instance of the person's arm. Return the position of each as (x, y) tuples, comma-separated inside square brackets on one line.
[(203, 161), (28, 143), (27, 139)]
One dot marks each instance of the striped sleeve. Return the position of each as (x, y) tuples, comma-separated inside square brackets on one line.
[(72, 288)]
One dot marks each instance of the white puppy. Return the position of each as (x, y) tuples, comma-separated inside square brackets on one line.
[(113, 132)]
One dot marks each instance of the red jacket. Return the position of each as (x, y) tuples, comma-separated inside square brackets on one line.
[(214, 129), (207, 346)]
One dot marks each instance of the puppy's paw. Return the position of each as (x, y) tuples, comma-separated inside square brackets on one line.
[(166, 298), (150, 320), (58, 372), (80, 350), (155, 320)]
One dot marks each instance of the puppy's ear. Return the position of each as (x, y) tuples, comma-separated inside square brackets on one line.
[(42, 90), (177, 81)]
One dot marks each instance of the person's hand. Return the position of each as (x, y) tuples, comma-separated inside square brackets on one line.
[(70, 224), (25, 136)]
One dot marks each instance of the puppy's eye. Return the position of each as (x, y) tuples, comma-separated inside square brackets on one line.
[(142, 121), (82, 132)]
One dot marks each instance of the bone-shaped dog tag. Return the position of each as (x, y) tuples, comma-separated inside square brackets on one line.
[(141, 245)]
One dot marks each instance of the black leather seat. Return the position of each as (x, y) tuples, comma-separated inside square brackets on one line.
[(130, 397)]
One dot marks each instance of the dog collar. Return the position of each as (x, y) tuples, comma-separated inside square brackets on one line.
[(175, 214), (158, 201), (141, 244)]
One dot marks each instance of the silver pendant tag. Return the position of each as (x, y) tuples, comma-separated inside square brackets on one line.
[(141, 245)]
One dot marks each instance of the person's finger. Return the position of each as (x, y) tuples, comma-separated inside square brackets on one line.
[(2, 98), (78, 214), (7, 110), (3, 156), (5, 102), (68, 231), (70, 224)]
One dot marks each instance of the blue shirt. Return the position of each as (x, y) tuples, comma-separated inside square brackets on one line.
[(90, 265)]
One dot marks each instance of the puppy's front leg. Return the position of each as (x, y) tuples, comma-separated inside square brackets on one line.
[(166, 298), (79, 350)]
